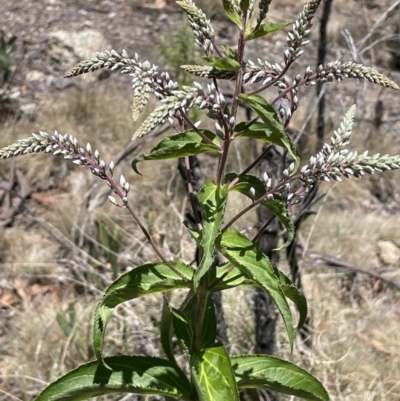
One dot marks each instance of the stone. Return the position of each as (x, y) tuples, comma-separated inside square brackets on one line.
[(29, 109), (69, 47), (388, 252), (34, 75)]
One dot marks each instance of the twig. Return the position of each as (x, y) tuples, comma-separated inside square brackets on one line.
[(382, 18), (332, 261)]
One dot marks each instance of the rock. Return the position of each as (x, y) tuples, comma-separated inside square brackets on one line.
[(388, 252), (69, 48), (29, 110), (34, 75)]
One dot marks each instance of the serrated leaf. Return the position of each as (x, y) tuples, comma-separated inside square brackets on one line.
[(224, 63), (166, 331), (229, 7), (188, 143), (276, 205), (213, 202), (130, 374), (274, 374), (143, 280), (213, 375), (184, 321), (262, 132), (231, 279), (194, 234), (247, 257), (229, 52), (295, 295), (266, 29), (273, 130)]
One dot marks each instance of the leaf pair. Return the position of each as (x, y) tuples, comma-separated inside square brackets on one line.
[(216, 377)]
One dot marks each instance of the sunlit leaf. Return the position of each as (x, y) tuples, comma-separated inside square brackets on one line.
[(247, 257), (274, 374), (129, 374), (188, 143), (276, 205), (213, 375), (224, 63), (272, 131), (266, 29), (143, 280), (213, 202)]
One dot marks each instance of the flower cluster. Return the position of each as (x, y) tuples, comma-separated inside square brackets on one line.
[(200, 26), (109, 59), (182, 100), (334, 160), (339, 71), (68, 147), (60, 145), (206, 71), (263, 10), (301, 29), (264, 72)]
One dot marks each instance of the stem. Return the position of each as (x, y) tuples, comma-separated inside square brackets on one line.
[(156, 249), (235, 101), (259, 200), (263, 228), (198, 132), (275, 80), (152, 243), (218, 280), (252, 165), (202, 296)]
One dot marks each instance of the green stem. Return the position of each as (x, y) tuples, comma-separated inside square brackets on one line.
[(194, 128), (202, 296), (235, 103), (263, 228)]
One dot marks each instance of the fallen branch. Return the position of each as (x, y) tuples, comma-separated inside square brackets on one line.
[(332, 261)]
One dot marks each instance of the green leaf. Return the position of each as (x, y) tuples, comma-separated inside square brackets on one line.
[(265, 29), (229, 52), (272, 131), (247, 257), (213, 375), (213, 202), (195, 234), (130, 374), (229, 280), (274, 374), (166, 331), (276, 205), (143, 280), (295, 295), (187, 143), (223, 63), (230, 9), (184, 321)]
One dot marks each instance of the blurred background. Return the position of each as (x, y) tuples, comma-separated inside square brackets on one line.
[(62, 243)]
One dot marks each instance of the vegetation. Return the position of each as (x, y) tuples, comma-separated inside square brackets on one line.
[(207, 371)]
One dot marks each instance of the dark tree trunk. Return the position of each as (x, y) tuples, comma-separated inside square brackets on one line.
[(321, 59), (265, 311)]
